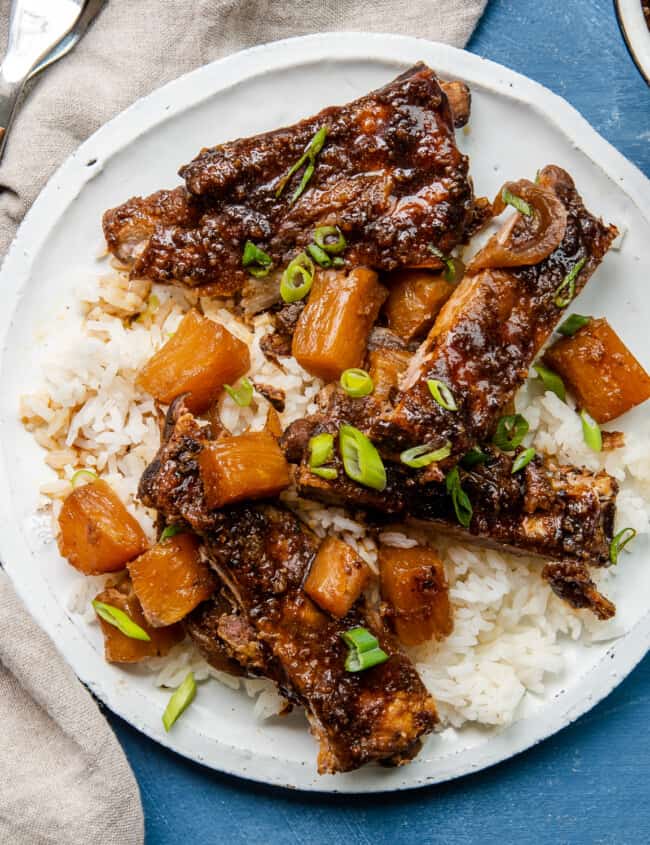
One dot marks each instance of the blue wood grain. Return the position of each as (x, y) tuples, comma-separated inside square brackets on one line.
[(590, 783)]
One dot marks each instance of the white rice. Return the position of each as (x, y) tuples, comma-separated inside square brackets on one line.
[(509, 627)]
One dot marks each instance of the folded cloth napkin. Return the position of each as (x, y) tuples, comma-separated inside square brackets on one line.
[(65, 777)]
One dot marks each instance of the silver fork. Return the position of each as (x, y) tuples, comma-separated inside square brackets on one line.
[(36, 28), (88, 14)]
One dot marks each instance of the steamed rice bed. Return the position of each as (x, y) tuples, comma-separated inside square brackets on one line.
[(509, 626)]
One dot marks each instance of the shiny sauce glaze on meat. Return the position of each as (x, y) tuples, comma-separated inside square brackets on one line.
[(489, 333), (389, 175), (546, 510), (263, 553)]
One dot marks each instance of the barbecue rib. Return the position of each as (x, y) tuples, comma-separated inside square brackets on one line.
[(490, 330), (262, 554), (548, 510), (389, 175)]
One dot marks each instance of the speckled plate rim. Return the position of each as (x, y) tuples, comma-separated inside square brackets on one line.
[(635, 34), (62, 189)]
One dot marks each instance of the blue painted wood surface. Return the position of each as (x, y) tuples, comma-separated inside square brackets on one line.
[(590, 783)]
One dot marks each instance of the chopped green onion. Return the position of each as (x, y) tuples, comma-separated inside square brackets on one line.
[(619, 542), (522, 460), (119, 619), (364, 651), (242, 394), (319, 255), (473, 457), (551, 381), (591, 432), (181, 699), (421, 456), (442, 394), (570, 282), (321, 449), (459, 498), (338, 262), (323, 238), (511, 430), (83, 476), (297, 279), (361, 460), (312, 150), (356, 383), (516, 202), (257, 262), (329, 473), (171, 531), (450, 268), (571, 325)]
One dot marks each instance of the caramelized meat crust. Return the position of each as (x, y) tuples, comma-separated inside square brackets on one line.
[(549, 510), (389, 175), (488, 334), (572, 583), (263, 554)]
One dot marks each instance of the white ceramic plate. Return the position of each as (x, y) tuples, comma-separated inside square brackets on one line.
[(636, 34), (517, 126)]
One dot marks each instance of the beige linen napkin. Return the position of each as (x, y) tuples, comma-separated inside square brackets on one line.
[(65, 778)]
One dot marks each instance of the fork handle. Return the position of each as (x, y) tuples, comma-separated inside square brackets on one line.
[(9, 95)]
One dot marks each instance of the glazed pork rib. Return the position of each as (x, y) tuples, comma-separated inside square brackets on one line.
[(493, 326), (262, 554), (547, 510), (389, 175)]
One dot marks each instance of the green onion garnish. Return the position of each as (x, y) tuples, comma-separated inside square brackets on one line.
[(311, 151), (522, 460), (323, 238), (321, 449), (257, 262), (442, 394), (319, 255), (516, 202), (181, 699), (571, 325), (422, 456), (619, 542), (364, 650), (242, 394), (119, 619), (338, 262), (591, 432), (473, 457), (450, 265), (570, 282), (459, 497), (83, 476), (511, 430), (171, 531), (551, 381), (361, 460), (356, 383), (328, 473), (297, 279)]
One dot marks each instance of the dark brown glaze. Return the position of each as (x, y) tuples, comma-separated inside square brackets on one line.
[(488, 334), (547, 510), (263, 554), (572, 583), (236, 653), (390, 176)]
